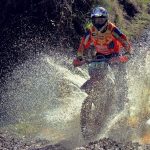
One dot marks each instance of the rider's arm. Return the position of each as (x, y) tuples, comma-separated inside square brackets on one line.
[(122, 39), (84, 44)]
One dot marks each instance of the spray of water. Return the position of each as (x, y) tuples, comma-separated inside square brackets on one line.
[(42, 98), (41, 88), (132, 123)]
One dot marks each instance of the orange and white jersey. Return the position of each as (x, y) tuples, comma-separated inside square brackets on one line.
[(106, 43)]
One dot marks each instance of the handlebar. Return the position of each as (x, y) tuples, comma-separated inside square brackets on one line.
[(100, 58), (103, 59)]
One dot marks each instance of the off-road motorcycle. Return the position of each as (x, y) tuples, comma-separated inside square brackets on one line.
[(101, 93)]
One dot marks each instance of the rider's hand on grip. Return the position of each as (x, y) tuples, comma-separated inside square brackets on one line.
[(78, 62), (123, 59)]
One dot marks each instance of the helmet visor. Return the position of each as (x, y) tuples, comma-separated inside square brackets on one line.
[(100, 20)]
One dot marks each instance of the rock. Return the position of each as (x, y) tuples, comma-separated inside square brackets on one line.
[(108, 144), (12, 142)]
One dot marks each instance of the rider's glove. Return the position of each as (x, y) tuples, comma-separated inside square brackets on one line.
[(125, 57), (80, 58), (77, 61), (128, 54)]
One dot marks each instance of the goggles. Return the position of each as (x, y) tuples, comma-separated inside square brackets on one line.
[(100, 20)]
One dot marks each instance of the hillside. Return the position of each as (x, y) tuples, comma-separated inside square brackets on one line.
[(130, 15), (62, 22)]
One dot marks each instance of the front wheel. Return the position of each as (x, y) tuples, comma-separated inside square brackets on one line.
[(92, 118)]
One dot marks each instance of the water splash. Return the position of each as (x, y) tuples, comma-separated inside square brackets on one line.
[(132, 123), (44, 94), (47, 95)]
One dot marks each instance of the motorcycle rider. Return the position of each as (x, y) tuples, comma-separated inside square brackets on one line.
[(108, 41), (104, 36)]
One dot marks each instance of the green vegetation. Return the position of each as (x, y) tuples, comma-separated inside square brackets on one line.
[(131, 16)]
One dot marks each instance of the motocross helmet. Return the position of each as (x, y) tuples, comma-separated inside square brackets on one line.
[(99, 16)]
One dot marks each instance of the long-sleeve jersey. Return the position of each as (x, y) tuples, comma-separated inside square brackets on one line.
[(105, 43)]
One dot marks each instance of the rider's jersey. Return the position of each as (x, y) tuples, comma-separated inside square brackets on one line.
[(105, 43)]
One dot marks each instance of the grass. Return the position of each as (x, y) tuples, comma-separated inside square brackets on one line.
[(138, 24)]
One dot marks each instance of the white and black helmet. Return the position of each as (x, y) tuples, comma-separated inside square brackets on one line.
[(99, 12)]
